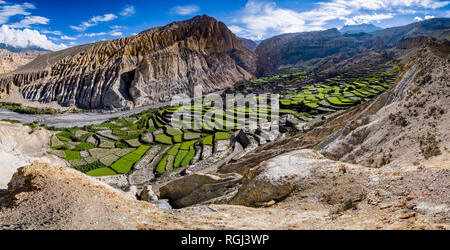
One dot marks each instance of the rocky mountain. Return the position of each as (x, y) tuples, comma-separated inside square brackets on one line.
[(148, 68), (430, 27), (361, 28), (409, 129), (249, 44), (304, 50), (287, 50), (10, 61)]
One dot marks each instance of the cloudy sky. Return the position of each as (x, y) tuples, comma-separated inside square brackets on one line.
[(55, 25)]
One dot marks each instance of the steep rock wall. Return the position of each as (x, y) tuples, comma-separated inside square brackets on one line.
[(144, 69)]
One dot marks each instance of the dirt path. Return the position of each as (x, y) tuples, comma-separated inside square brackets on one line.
[(68, 120)]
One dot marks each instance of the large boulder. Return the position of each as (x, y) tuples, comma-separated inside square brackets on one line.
[(199, 188), (277, 178)]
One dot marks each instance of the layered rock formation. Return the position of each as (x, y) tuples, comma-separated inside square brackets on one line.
[(10, 61), (144, 69), (410, 128), (249, 44), (21, 146), (303, 50), (289, 49)]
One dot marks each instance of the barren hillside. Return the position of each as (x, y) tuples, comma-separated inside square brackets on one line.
[(10, 61), (148, 68)]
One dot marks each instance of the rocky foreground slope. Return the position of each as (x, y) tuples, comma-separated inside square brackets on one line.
[(326, 195), (148, 68)]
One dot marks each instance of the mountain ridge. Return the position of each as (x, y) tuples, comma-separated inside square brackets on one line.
[(361, 28), (287, 50), (148, 68)]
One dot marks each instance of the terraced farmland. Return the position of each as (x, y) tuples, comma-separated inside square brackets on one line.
[(168, 138), (338, 93)]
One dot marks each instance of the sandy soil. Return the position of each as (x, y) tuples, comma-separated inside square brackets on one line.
[(20, 146), (47, 197)]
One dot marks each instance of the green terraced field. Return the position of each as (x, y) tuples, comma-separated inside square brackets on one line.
[(114, 147)]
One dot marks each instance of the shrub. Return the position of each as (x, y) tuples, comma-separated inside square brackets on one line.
[(122, 144), (90, 167)]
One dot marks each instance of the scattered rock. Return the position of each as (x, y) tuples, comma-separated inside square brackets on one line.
[(148, 195), (92, 140), (199, 188), (148, 138), (276, 178), (163, 204), (221, 146), (132, 192), (407, 215)]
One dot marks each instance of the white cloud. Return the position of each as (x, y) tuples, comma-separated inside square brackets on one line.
[(56, 32), (129, 11), (30, 20), (27, 38), (429, 17), (94, 21), (235, 29), (8, 11), (117, 27), (260, 19), (115, 33), (185, 10), (366, 19), (68, 38), (418, 19), (95, 34), (111, 33)]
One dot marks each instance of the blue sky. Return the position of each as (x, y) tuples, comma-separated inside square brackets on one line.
[(58, 24)]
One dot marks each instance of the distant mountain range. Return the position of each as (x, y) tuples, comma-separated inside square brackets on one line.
[(17, 50), (361, 28), (306, 49), (165, 61)]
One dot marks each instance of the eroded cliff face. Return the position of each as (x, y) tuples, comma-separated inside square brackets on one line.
[(307, 49), (147, 68), (411, 128), (10, 61)]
